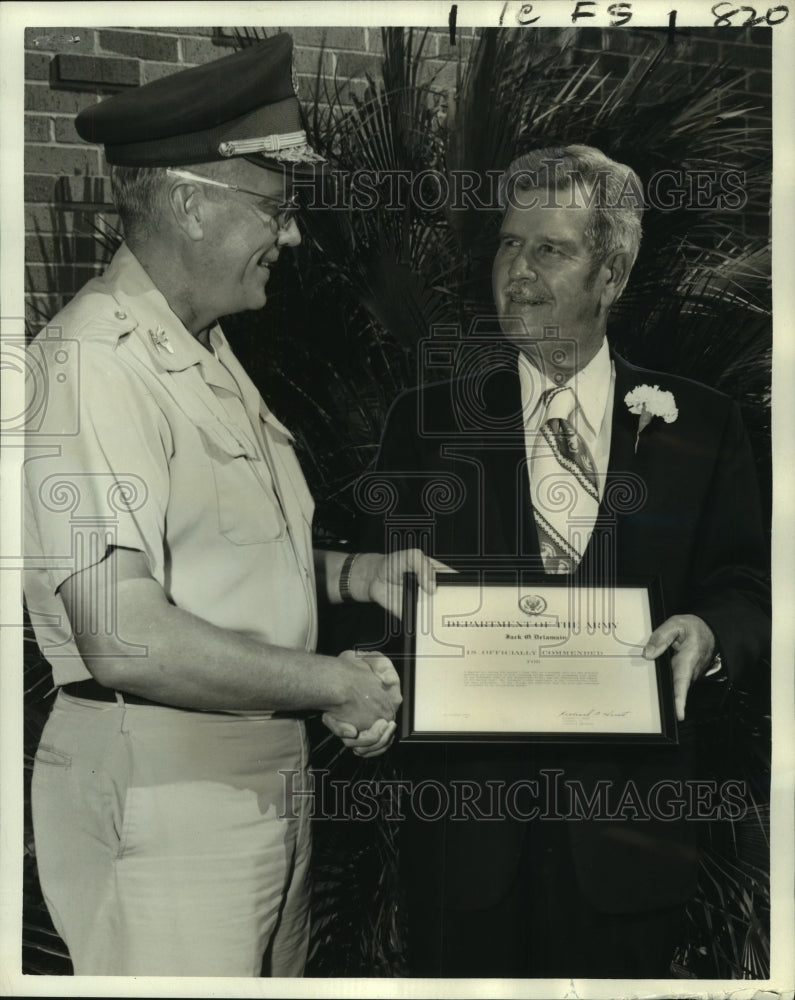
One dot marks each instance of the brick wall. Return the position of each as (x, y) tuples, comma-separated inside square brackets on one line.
[(66, 187)]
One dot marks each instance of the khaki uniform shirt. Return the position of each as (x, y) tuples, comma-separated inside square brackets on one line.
[(139, 437)]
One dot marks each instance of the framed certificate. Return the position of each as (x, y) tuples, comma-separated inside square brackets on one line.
[(506, 655)]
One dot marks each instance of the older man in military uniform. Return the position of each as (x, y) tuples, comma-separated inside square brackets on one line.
[(171, 577)]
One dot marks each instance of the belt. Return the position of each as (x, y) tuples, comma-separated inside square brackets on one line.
[(95, 691)]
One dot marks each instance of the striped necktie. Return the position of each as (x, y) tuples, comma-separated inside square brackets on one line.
[(563, 485)]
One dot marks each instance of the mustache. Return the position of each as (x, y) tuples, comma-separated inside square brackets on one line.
[(522, 290)]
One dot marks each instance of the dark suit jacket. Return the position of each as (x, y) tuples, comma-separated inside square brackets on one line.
[(683, 507)]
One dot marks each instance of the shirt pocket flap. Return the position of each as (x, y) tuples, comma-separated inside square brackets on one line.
[(224, 441), (248, 511)]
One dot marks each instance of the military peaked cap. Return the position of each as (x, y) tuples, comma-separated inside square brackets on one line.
[(241, 105)]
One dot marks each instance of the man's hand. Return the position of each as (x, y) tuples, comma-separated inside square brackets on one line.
[(370, 743), (693, 643), (379, 578), (357, 722)]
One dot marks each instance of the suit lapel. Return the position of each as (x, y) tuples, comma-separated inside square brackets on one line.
[(622, 459), (624, 480), (506, 490)]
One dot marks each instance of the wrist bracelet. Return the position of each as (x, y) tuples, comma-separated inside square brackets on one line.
[(345, 578)]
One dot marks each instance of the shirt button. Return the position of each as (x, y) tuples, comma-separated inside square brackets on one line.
[(120, 314)]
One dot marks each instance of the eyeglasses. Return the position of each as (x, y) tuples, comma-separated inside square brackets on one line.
[(282, 214)]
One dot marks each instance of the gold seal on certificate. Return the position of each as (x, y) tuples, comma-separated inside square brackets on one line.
[(504, 654)]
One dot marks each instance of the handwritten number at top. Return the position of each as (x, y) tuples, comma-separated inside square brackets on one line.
[(724, 19)]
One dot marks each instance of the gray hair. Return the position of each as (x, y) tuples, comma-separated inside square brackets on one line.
[(613, 192), (139, 194)]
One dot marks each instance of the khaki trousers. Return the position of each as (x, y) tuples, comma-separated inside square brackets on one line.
[(164, 843)]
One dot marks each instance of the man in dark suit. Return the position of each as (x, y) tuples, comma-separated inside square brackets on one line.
[(672, 495)]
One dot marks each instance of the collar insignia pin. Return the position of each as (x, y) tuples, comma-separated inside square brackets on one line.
[(159, 339)]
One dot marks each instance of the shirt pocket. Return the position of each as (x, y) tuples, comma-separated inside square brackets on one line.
[(248, 509)]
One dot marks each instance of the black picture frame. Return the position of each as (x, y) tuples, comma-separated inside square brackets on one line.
[(485, 575)]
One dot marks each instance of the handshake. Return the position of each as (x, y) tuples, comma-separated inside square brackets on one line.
[(368, 687), (365, 719)]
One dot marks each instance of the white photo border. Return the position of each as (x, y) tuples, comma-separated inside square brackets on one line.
[(14, 17)]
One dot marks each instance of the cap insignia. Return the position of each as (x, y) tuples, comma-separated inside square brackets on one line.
[(294, 75), (263, 144)]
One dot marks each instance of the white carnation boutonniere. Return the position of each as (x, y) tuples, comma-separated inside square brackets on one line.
[(650, 401)]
